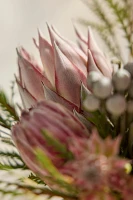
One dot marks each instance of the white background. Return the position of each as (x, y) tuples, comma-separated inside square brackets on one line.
[(19, 20)]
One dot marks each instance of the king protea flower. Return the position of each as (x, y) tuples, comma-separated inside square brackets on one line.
[(85, 162), (65, 68)]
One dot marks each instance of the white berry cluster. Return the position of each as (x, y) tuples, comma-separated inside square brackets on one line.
[(115, 94)]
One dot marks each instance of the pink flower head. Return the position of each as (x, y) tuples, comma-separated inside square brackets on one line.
[(65, 68), (54, 120)]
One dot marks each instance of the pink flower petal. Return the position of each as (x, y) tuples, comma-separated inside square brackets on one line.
[(82, 47), (27, 99), (31, 77), (51, 95), (67, 78), (71, 54), (47, 57), (81, 54), (80, 36), (91, 64), (101, 61)]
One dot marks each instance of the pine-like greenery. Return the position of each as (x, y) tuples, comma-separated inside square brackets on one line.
[(114, 18), (10, 160)]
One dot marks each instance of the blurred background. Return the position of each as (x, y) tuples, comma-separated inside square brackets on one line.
[(19, 20)]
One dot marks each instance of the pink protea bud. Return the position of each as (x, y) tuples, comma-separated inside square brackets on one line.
[(47, 120)]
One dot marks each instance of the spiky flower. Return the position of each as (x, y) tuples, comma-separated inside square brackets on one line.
[(59, 149), (41, 127), (65, 68), (63, 149)]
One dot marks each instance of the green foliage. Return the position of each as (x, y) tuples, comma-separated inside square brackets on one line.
[(8, 111), (55, 177), (10, 159), (108, 26), (7, 141), (7, 106), (9, 154), (37, 190), (36, 179), (61, 148), (103, 128), (46, 163)]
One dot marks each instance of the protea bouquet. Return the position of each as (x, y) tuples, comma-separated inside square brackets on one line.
[(74, 133)]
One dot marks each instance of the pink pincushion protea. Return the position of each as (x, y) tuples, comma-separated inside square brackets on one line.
[(65, 68), (52, 118), (87, 163)]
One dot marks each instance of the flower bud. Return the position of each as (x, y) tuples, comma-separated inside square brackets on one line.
[(116, 105), (91, 103), (49, 127), (92, 78), (121, 80), (129, 68), (103, 88)]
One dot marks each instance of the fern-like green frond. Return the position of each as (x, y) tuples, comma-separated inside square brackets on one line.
[(36, 179), (11, 165), (108, 25), (122, 15), (21, 188), (7, 107), (121, 21), (10, 159), (7, 141), (10, 154)]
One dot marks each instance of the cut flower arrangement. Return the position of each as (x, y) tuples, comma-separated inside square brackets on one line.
[(75, 129)]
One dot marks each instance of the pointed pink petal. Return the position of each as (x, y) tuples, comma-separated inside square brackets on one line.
[(31, 78), (71, 54), (82, 47), (91, 64), (47, 57), (67, 78), (35, 43), (51, 95), (29, 58), (60, 113), (27, 99), (80, 36), (72, 45), (101, 61)]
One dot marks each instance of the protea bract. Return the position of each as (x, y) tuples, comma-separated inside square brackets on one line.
[(65, 68)]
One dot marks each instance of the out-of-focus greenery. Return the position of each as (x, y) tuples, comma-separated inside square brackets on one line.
[(114, 20)]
